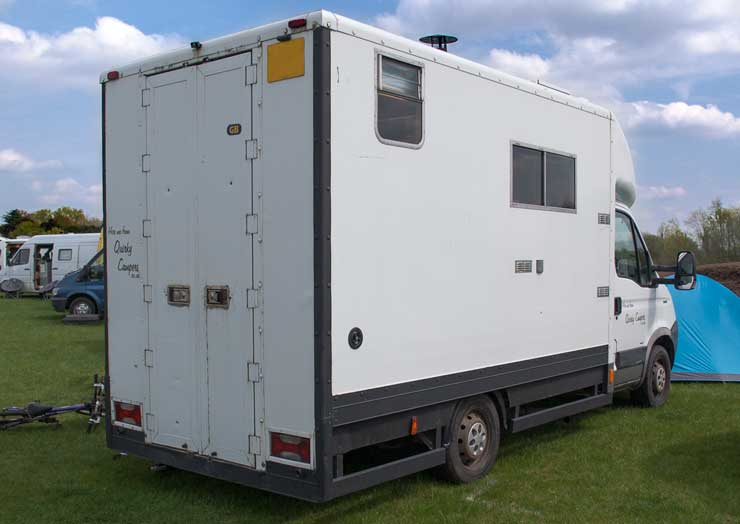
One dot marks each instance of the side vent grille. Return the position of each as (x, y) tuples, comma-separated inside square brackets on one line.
[(602, 291), (523, 266), (604, 219)]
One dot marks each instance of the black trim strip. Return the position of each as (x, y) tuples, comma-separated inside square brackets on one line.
[(106, 379), (558, 412), (394, 470), (322, 252), (631, 357), (368, 404)]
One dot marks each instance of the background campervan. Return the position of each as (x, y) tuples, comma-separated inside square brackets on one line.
[(46, 258), (8, 247)]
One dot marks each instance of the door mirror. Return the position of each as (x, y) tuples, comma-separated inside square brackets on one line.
[(685, 278)]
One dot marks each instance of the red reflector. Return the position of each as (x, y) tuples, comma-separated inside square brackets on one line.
[(289, 447), (128, 413), (297, 23), (113, 75)]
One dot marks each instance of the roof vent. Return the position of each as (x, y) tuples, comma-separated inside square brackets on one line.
[(439, 41)]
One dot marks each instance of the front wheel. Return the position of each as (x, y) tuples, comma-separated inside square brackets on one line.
[(82, 306), (475, 434), (656, 386)]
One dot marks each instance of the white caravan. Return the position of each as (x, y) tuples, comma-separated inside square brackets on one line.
[(8, 247), (43, 259), (339, 237)]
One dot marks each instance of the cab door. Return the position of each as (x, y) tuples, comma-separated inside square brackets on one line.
[(634, 300)]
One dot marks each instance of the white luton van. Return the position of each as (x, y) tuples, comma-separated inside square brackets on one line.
[(43, 259), (322, 237)]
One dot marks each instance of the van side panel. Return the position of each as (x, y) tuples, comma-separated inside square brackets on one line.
[(126, 255), (284, 169), (424, 241)]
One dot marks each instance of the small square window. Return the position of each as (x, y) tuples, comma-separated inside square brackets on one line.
[(65, 255), (543, 179)]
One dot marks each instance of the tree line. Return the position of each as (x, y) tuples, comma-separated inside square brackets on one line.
[(713, 234), (18, 222)]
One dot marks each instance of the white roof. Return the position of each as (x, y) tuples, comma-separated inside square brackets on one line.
[(251, 38), (68, 238)]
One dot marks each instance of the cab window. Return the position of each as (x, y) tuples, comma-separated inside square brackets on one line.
[(630, 255), (21, 257), (96, 268)]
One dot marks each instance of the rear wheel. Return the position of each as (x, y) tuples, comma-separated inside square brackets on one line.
[(475, 434), (656, 386), (82, 306)]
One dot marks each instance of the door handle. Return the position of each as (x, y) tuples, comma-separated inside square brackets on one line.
[(617, 306), (26, 269)]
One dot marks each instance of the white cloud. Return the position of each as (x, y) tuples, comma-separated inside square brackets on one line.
[(14, 162), (660, 192), (529, 66), (704, 119), (599, 48), (69, 191), (77, 57)]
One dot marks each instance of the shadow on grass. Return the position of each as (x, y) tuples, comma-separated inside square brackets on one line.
[(708, 466), (254, 504)]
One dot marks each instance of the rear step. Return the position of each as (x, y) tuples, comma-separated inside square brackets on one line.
[(564, 410)]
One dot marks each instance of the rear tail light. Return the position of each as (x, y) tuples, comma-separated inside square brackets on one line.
[(289, 447), (126, 413)]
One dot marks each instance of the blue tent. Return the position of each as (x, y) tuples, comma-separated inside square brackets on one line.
[(708, 333)]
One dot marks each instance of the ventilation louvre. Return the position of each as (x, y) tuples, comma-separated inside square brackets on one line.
[(523, 266), (604, 219), (602, 291)]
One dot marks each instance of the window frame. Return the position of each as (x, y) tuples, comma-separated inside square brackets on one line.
[(636, 237), (378, 75), (545, 151), (59, 254)]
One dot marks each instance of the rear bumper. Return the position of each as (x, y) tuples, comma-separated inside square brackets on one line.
[(59, 304), (283, 480)]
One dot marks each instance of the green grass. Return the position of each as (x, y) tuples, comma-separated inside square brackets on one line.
[(680, 463)]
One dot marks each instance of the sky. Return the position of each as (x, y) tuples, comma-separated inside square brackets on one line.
[(669, 69)]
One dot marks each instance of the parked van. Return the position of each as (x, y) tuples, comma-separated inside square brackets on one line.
[(82, 292), (8, 247), (339, 237), (46, 258)]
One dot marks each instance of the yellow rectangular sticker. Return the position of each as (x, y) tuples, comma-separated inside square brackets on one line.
[(285, 60)]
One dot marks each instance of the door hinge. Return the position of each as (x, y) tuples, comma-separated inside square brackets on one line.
[(252, 225), (146, 97), (254, 373), (147, 293), (253, 298), (251, 146), (251, 75), (146, 228), (255, 445), (149, 358), (150, 421), (146, 162)]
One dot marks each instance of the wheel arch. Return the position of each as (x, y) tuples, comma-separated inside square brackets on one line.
[(662, 337)]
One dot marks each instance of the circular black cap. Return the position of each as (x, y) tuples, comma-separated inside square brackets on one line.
[(355, 338), (438, 41)]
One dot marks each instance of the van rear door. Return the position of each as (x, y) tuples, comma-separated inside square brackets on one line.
[(201, 316)]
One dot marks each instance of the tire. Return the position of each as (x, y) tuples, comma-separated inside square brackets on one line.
[(82, 306), (656, 386), (475, 434)]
